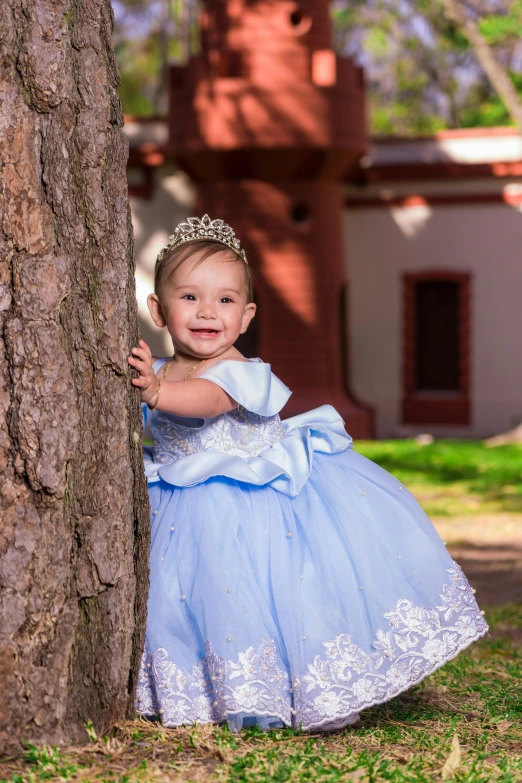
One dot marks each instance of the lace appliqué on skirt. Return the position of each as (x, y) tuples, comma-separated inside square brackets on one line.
[(215, 689), (336, 685), (257, 684), (176, 696), (419, 641)]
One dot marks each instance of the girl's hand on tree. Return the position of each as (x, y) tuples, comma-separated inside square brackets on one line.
[(142, 363)]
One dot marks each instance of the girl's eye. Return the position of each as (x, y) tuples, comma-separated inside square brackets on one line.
[(226, 298), (185, 296)]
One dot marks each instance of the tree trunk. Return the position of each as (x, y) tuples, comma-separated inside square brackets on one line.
[(494, 71), (74, 542)]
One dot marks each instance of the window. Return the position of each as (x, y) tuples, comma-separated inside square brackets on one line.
[(436, 348)]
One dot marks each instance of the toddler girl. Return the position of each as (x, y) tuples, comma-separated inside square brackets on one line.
[(292, 581)]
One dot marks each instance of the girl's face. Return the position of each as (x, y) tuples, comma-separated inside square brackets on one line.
[(204, 307)]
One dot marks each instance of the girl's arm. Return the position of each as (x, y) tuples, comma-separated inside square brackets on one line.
[(195, 398)]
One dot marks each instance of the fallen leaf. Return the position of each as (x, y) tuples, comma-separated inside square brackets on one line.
[(357, 776), (453, 760), (498, 672), (499, 720), (491, 760)]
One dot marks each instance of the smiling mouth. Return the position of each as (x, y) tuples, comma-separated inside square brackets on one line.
[(204, 332)]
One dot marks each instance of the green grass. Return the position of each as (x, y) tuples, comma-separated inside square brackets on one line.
[(477, 696), (452, 477)]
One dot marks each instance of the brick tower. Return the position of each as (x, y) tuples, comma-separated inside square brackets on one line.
[(268, 121)]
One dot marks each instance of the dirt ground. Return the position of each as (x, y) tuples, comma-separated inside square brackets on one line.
[(489, 549)]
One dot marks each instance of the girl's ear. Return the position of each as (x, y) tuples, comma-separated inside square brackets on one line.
[(248, 314), (155, 310)]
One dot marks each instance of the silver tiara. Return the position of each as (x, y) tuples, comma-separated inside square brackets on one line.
[(195, 229)]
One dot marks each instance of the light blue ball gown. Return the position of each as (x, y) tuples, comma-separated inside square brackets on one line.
[(292, 581)]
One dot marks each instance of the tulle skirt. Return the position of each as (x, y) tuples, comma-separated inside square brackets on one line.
[(298, 611)]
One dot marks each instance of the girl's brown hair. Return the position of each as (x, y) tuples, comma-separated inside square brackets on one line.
[(171, 261)]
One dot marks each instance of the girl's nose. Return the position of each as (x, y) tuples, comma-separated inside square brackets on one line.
[(206, 310)]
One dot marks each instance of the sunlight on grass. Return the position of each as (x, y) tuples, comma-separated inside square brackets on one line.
[(452, 477)]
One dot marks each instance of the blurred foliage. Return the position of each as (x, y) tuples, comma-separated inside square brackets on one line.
[(139, 74), (486, 108), (421, 73), (148, 36)]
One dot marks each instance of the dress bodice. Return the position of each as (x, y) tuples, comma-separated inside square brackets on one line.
[(240, 432), (250, 443)]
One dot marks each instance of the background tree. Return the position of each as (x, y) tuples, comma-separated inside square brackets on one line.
[(422, 74), (422, 70), (499, 79), (149, 35), (74, 541)]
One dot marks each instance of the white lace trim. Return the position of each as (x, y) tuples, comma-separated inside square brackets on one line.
[(256, 684), (335, 686)]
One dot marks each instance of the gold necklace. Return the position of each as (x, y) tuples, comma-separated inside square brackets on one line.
[(193, 368), (167, 365)]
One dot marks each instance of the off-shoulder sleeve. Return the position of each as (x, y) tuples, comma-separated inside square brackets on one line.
[(252, 384)]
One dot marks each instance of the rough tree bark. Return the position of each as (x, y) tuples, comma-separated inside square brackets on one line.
[(73, 507)]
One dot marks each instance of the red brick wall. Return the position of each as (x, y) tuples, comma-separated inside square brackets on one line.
[(268, 120)]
